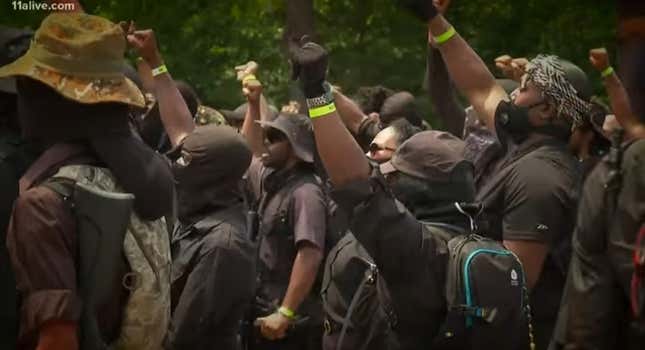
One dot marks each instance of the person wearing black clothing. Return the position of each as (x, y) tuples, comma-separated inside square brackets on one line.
[(213, 276), (292, 211), (531, 197), (418, 187)]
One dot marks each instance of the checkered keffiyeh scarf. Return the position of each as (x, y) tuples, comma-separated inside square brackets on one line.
[(547, 73)]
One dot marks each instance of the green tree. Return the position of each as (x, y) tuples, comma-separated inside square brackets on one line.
[(371, 41)]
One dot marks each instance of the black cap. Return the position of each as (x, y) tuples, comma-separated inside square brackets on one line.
[(429, 155)]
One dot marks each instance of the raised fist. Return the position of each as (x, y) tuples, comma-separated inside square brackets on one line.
[(251, 67), (309, 63), (145, 43), (512, 68)]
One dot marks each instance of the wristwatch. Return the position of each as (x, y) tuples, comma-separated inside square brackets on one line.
[(323, 100)]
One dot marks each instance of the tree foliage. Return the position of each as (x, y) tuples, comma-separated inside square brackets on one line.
[(371, 41)]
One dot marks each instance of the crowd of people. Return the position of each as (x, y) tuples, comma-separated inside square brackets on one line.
[(136, 217)]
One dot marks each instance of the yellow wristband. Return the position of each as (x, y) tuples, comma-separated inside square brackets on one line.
[(442, 38), (248, 78), (322, 111), (286, 312), (159, 70), (607, 72)]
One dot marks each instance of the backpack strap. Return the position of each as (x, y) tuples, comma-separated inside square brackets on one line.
[(63, 186), (368, 278), (444, 231)]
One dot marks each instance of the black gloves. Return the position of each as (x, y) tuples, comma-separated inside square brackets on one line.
[(309, 63)]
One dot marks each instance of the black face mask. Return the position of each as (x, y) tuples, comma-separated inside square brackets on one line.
[(515, 119)]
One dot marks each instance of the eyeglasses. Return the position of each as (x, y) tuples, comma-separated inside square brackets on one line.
[(376, 147), (274, 136)]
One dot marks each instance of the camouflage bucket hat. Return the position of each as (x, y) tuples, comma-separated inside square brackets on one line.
[(81, 57)]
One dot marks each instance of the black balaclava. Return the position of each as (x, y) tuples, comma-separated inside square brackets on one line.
[(48, 118)]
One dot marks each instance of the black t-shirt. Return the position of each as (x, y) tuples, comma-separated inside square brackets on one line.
[(532, 196)]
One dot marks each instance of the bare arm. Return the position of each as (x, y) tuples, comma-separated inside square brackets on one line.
[(145, 73), (251, 130), (532, 255), (349, 112), (442, 94), (469, 73), (303, 275), (621, 106), (618, 96), (341, 155), (174, 112)]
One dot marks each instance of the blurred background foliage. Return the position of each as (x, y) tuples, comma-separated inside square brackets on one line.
[(370, 41)]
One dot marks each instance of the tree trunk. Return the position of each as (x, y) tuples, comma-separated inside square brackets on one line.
[(300, 21), (631, 52)]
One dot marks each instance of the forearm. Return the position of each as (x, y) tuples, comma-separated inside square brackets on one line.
[(264, 109), (145, 73), (252, 131), (532, 256), (621, 107), (349, 112), (469, 73), (173, 110), (442, 94), (303, 276), (342, 157)]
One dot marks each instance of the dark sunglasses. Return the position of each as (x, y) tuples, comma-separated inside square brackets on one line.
[(375, 148), (274, 136)]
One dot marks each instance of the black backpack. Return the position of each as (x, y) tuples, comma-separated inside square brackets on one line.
[(486, 294), (358, 307), (613, 187)]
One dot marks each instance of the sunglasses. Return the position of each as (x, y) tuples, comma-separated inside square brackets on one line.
[(376, 147), (274, 136)]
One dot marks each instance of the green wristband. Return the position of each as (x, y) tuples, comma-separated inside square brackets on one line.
[(607, 72), (286, 312), (442, 38), (321, 111)]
